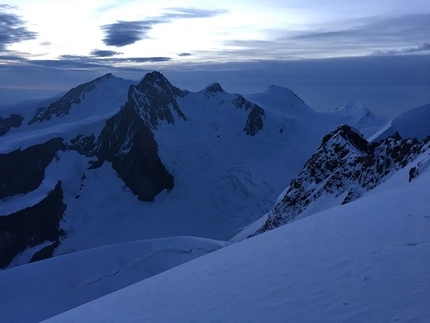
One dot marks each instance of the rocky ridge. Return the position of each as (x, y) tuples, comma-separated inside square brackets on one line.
[(345, 166)]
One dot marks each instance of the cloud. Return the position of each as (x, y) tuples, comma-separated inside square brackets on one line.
[(104, 53), (183, 13), (422, 48), (123, 33), (45, 43), (76, 62), (185, 54), (372, 32), (12, 29), (11, 58), (357, 37)]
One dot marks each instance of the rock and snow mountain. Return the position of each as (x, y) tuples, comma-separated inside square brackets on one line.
[(88, 175), (210, 163), (344, 168)]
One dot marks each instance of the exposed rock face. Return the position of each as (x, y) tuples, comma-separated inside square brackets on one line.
[(129, 144), (345, 166), (213, 89), (62, 106), (31, 227), (254, 123), (154, 99), (13, 121), (127, 141), (24, 170)]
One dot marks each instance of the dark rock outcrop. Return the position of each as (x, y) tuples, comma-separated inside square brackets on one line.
[(129, 145), (61, 107), (13, 121), (154, 99), (24, 170), (345, 166), (212, 89), (254, 123), (32, 226)]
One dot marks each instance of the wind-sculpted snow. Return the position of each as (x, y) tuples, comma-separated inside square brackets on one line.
[(343, 169), (49, 287)]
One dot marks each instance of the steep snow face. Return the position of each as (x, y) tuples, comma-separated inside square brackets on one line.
[(366, 261), (410, 124), (343, 169), (50, 287)]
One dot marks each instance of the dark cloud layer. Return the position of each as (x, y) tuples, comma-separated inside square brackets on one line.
[(422, 48), (104, 53), (12, 29), (77, 62), (185, 54), (123, 33)]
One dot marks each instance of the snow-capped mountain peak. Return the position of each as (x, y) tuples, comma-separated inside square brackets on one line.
[(280, 99), (105, 84), (212, 89), (154, 98)]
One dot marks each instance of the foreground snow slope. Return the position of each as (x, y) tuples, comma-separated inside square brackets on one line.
[(366, 261), (49, 287)]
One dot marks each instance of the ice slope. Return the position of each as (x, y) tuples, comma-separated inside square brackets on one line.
[(414, 123), (367, 261), (46, 288)]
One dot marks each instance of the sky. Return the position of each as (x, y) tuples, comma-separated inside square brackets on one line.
[(329, 52)]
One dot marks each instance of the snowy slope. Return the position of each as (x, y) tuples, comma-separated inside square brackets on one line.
[(359, 116), (367, 261), (46, 288), (82, 110), (414, 123)]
